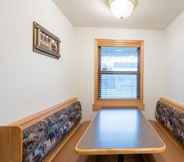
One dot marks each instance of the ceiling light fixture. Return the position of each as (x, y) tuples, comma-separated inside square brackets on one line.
[(122, 8)]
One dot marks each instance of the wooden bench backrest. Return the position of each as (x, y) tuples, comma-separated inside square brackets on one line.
[(169, 113), (173, 103), (11, 136)]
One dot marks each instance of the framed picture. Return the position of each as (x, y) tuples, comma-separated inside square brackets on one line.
[(44, 42)]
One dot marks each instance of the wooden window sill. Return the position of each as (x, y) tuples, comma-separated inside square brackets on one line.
[(118, 104)]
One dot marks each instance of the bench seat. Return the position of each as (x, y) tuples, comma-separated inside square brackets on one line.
[(174, 151), (68, 154)]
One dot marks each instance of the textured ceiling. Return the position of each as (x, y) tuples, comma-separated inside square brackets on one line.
[(149, 14)]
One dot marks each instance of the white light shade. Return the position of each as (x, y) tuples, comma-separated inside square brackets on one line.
[(122, 8)]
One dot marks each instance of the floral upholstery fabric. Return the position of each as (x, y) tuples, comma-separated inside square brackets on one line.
[(40, 138), (172, 119)]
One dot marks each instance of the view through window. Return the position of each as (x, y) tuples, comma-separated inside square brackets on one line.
[(119, 73)]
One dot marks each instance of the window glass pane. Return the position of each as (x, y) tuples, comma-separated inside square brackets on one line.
[(119, 59), (115, 86)]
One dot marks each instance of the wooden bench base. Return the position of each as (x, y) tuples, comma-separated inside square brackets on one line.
[(174, 151), (68, 154)]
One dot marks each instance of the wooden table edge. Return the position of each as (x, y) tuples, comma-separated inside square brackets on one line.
[(116, 151)]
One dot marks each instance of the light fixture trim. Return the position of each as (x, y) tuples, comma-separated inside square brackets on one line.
[(135, 2), (116, 10)]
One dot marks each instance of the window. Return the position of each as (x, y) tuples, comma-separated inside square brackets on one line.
[(119, 74)]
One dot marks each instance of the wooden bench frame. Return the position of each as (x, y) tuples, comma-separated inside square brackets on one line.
[(11, 136), (177, 106), (173, 103), (168, 135)]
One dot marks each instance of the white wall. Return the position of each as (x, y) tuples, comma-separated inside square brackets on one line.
[(175, 56), (32, 82), (155, 67)]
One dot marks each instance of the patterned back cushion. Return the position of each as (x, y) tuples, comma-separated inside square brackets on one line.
[(172, 119), (43, 136)]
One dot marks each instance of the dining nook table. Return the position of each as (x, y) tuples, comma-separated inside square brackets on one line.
[(120, 131)]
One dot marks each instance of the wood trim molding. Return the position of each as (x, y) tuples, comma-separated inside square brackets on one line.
[(119, 43), (99, 103), (173, 103), (118, 103), (111, 151), (11, 139), (30, 120)]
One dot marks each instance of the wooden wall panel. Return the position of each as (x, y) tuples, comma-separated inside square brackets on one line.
[(11, 144)]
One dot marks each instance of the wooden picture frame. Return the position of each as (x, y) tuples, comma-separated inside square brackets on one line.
[(44, 42)]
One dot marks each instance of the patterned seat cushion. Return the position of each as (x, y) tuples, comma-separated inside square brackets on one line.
[(43, 136), (172, 119)]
